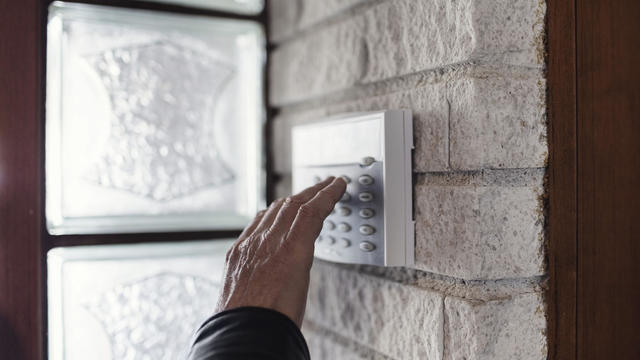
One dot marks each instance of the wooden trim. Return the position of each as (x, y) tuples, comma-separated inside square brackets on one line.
[(608, 119), (562, 181), (21, 178)]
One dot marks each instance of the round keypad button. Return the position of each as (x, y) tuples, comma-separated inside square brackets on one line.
[(365, 180), (329, 225), (345, 197), (367, 246), (366, 213), (345, 243), (365, 196), (367, 160), (329, 240), (344, 227), (344, 211), (346, 178), (367, 229)]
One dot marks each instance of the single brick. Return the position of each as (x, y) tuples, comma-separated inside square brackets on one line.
[(290, 16), (479, 232), (503, 329), (401, 37), (400, 321), (498, 122)]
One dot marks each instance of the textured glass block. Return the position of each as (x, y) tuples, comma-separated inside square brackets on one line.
[(248, 7), (154, 121), (131, 302)]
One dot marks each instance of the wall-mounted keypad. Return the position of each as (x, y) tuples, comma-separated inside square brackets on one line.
[(373, 221)]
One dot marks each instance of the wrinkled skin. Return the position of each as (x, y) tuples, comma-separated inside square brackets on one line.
[(269, 264)]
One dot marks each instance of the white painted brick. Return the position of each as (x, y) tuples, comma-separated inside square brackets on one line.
[(406, 36), (498, 122), (496, 330), (289, 16), (324, 345), (479, 232), (400, 321)]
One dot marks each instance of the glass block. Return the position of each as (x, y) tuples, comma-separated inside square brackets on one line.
[(131, 302), (246, 7), (154, 121)]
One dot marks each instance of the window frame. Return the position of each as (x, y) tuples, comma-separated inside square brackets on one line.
[(52, 241)]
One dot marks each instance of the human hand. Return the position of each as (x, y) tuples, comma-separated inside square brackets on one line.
[(269, 264)]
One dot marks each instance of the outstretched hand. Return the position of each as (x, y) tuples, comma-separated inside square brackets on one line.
[(269, 264)]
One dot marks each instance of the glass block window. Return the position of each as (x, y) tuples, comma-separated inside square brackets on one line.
[(131, 301), (153, 121), (249, 7)]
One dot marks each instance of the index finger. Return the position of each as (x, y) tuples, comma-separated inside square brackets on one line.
[(311, 215)]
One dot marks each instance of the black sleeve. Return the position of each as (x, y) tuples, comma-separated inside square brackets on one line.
[(249, 333)]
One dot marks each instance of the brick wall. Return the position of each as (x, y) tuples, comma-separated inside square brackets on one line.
[(472, 72)]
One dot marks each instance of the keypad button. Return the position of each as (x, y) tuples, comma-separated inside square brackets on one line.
[(330, 240), (319, 239), (344, 227), (367, 160), (367, 246), (329, 225), (345, 197), (346, 178), (366, 213), (345, 243), (365, 196), (367, 229), (365, 180), (344, 211)]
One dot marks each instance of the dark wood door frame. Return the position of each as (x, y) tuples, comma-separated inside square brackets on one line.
[(608, 119), (21, 180), (562, 179), (594, 176)]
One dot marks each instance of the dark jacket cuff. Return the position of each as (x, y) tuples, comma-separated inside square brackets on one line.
[(249, 333)]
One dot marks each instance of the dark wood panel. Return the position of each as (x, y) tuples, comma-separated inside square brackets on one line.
[(21, 320), (562, 223), (608, 35)]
